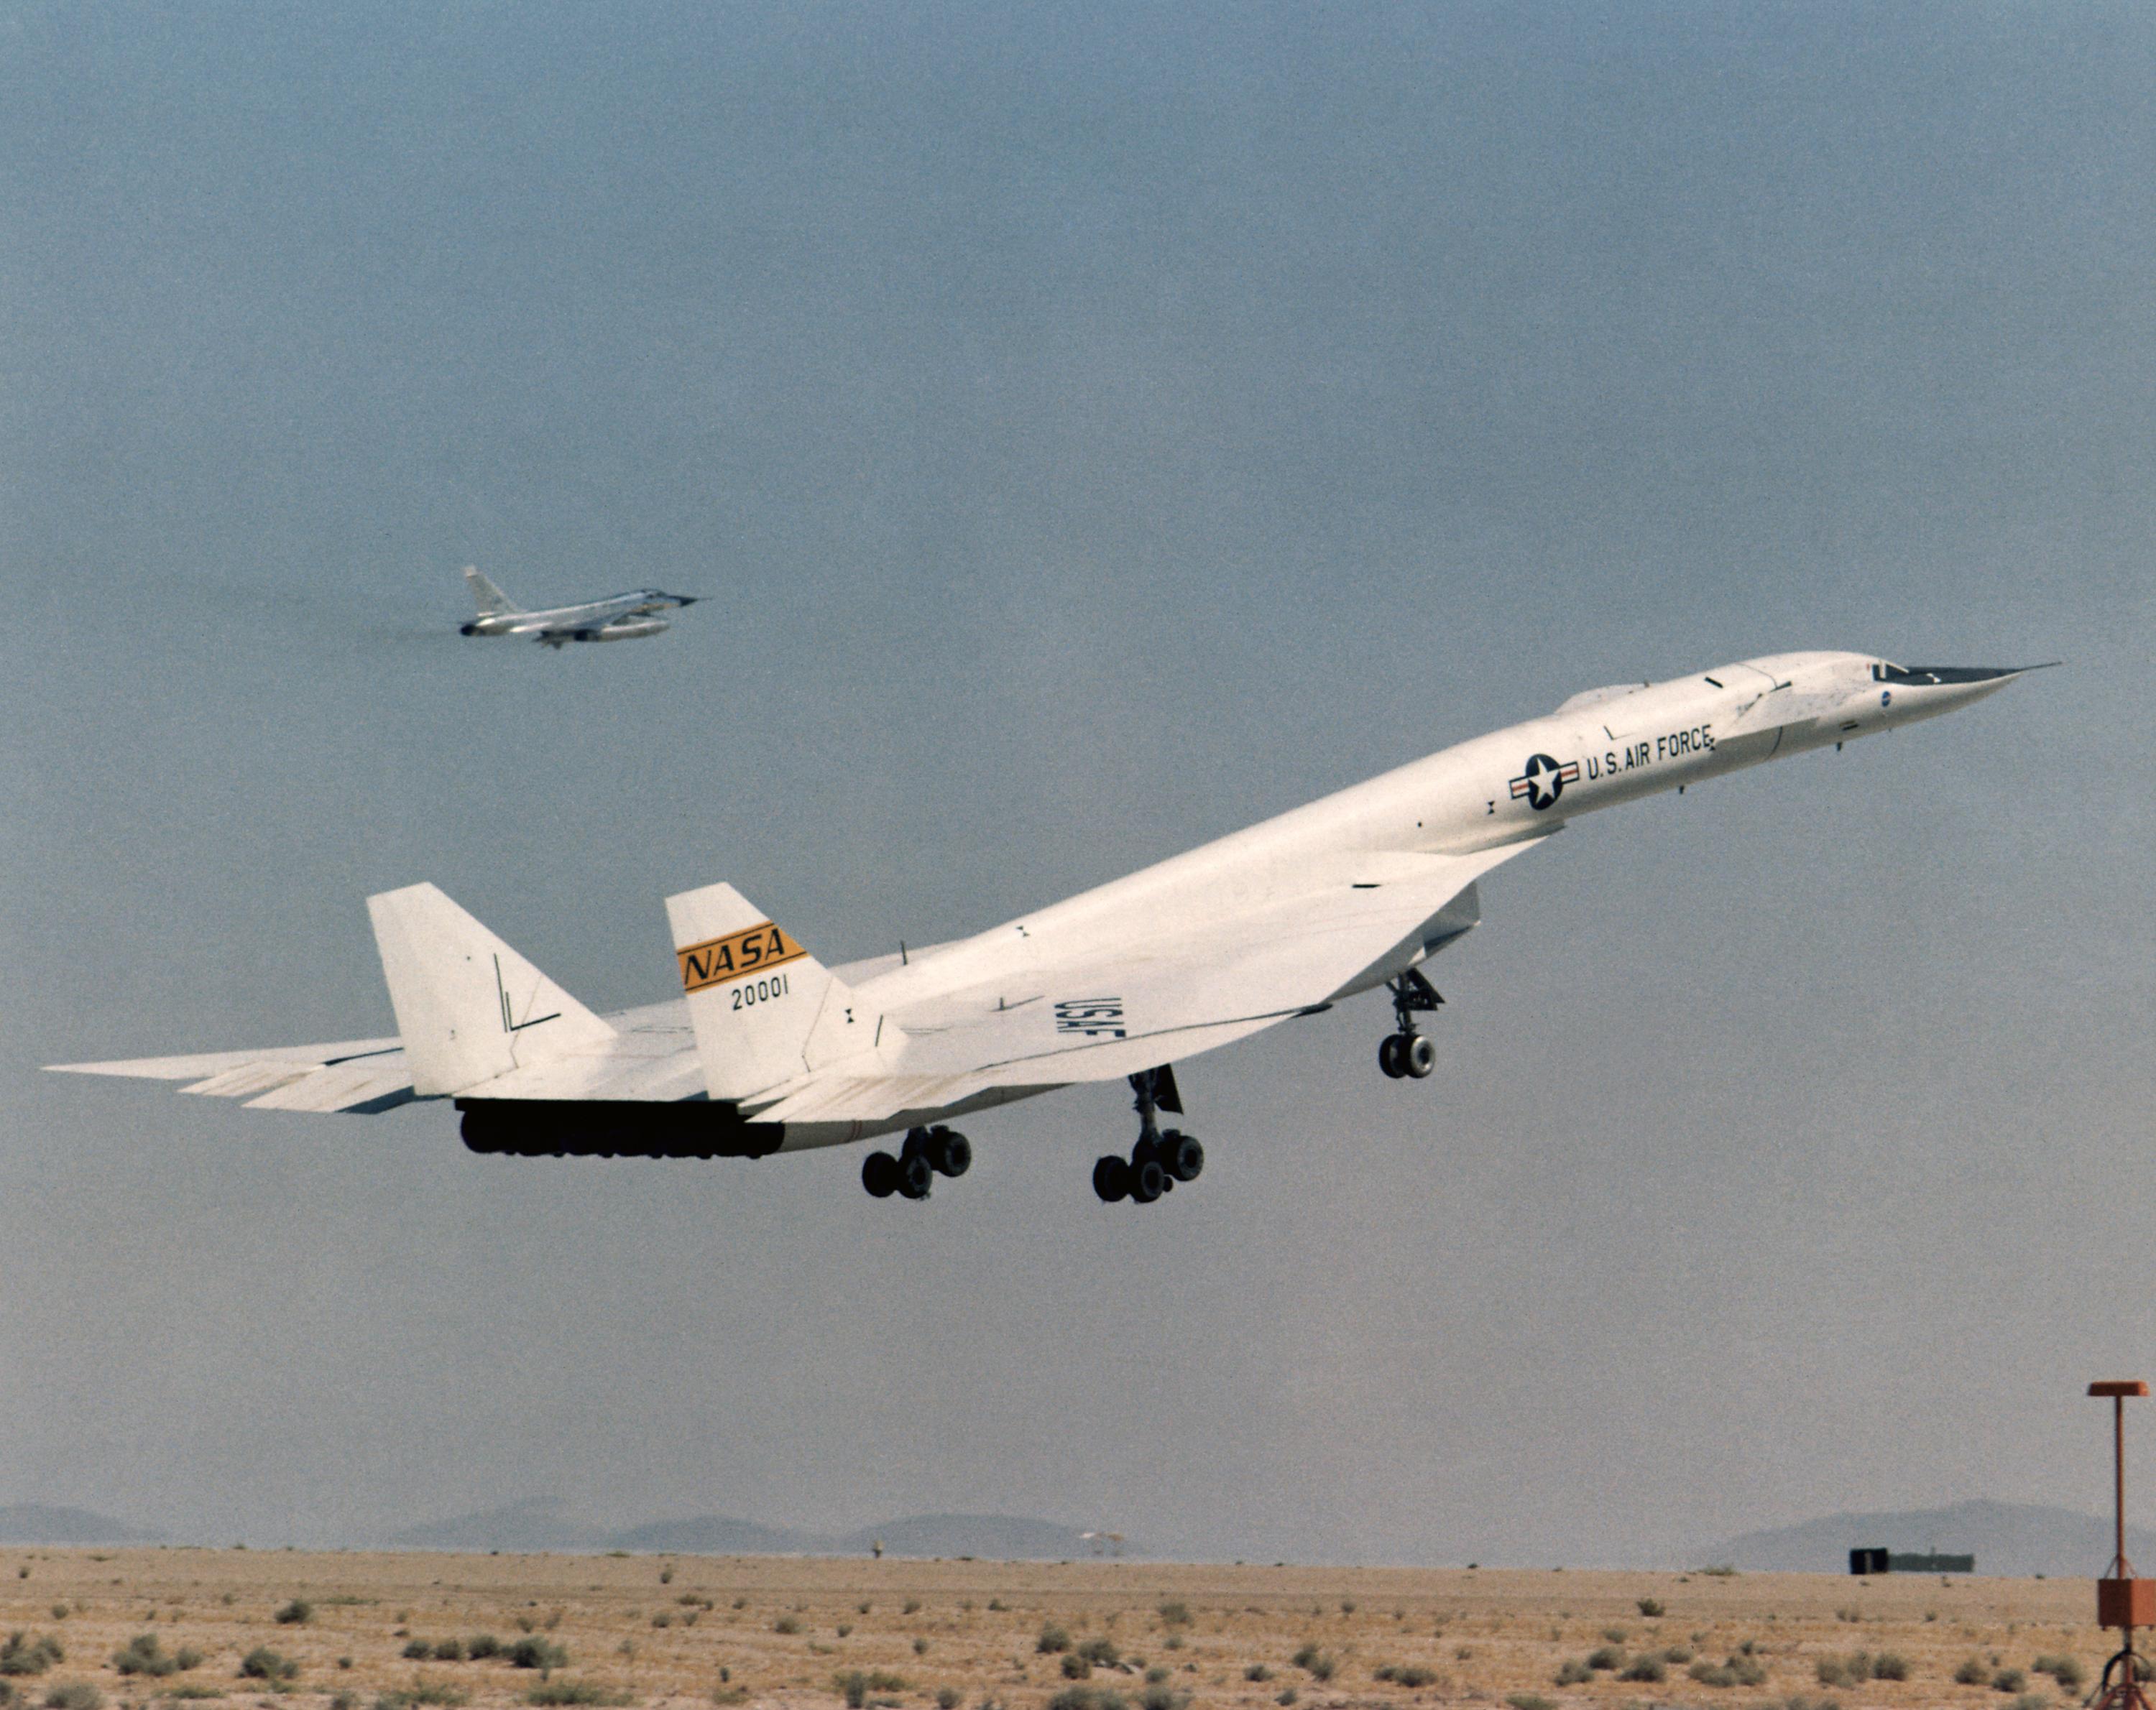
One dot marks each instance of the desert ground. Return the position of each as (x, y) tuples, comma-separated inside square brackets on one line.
[(345, 1632)]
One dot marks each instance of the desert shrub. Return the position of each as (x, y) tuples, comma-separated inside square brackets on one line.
[(23, 1654), (1607, 1656), (143, 1655), (1573, 1672), (663, 1619), (1732, 1672), (948, 1697), (1890, 1665), (1712, 1674), (1650, 1607), (574, 1692), (1161, 1696), (1842, 1670), (1645, 1668), (1531, 1701), (913, 1605), (425, 1691), (1405, 1674), (726, 1696), (919, 1647), (1318, 1664), (1087, 1698), (1175, 1613), (542, 1653), (1051, 1640), (264, 1664), (1798, 1701), (1101, 1651), (481, 1646), (1974, 1672), (1615, 1635), (449, 1651), (2065, 1669), (844, 1630), (296, 1614), (1676, 1656), (1075, 1667), (1154, 1676), (75, 1695), (856, 1685), (200, 1691), (1286, 1699), (345, 1701), (1257, 1671), (2009, 1680), (419, 1651), (786, 1623), (1174, 1642)]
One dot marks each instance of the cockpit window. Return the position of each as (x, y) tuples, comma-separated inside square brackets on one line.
[(1924, 675)]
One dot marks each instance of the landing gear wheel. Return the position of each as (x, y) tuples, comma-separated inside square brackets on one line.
[(1148, 1182), (1112, 1179), (950, 1152), (1418, 1057), (916, 1175), (879, 1174), (1180, 1155), (1389, 1057)]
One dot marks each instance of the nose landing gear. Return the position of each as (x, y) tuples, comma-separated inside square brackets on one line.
[(1161, 1158), (1408, 1053), (927, 1154)]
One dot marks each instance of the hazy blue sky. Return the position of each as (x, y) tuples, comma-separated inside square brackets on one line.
[(1092, 431)]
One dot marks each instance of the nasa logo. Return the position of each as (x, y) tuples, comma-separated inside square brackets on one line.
[(719, 959), (1544, 781)]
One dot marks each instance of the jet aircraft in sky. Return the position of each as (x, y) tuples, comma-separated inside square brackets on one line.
[(767, 1050), (617, 617)]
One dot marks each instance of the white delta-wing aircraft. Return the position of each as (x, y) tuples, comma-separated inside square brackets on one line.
[(617, 617), (769, 1050)]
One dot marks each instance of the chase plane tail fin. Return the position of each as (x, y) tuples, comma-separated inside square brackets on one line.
[(492, 602)]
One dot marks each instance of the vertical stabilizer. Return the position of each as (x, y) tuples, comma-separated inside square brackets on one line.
[(491, 601), (469, 1008), (765, 1011)]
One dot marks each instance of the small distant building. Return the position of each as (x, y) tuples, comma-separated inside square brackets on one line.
[(1931, 1563), (1881, 1561)]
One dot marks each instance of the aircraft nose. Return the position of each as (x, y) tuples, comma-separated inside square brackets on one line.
[(1956, 676), (1925, 690), (686, 599)]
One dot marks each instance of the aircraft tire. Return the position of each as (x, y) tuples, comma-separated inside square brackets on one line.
[(1148, 1182), (951, 1152), (1389, 1057), (1180, 1155), (1112, 1179), (916, 1175), (879, 1174), (1420, 1056)]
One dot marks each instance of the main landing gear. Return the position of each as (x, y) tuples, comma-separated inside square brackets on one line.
[(1160, 1160), (927, 1154), (1408, 1053)]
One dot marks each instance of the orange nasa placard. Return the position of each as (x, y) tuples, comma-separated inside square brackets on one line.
[(752, 950)]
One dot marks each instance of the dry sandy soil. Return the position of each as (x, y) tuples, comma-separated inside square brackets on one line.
[(695, 1631)]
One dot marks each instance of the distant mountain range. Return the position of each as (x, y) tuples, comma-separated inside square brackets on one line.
[(540, 1523), (34, 1522), (2016, 1539)]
